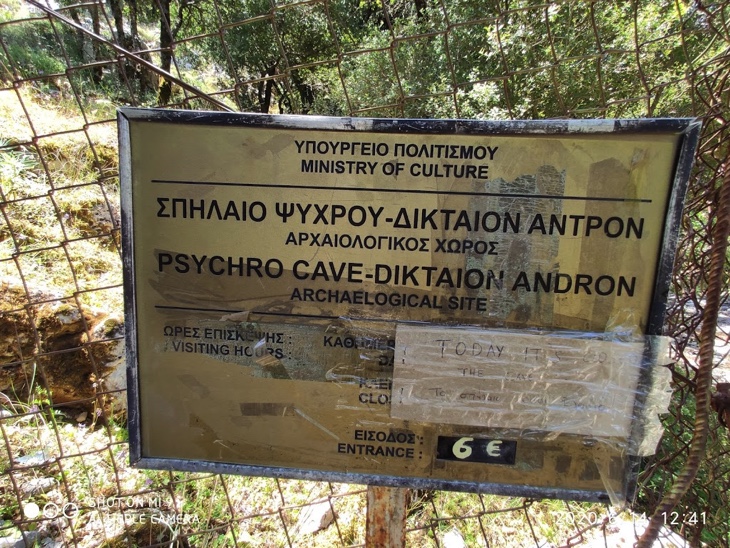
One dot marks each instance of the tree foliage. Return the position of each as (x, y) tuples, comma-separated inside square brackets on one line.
[(413, 58)]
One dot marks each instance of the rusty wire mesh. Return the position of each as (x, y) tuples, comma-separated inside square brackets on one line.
[(63, 70)]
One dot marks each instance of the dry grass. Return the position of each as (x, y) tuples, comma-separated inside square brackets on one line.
[(59, 231)]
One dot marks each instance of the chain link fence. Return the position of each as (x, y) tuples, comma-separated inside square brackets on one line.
[(65, 67)]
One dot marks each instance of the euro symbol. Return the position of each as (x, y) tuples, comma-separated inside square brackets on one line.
[(493, 449)]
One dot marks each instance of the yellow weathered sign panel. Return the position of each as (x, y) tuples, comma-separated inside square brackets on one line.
[(275, 262)]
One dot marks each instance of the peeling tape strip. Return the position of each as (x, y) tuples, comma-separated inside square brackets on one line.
[(573, 383)]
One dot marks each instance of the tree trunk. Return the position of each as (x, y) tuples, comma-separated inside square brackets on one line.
[(265, 90), (133, 30), (420, 8), (118, 14), (80, 34), (96, 72), (166, 40)]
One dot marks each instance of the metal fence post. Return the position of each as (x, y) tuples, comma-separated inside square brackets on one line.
[(386, 517)]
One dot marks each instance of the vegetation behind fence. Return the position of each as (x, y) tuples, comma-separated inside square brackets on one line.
[(65, 67)]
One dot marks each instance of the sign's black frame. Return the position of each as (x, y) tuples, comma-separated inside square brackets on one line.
[(687, 128)]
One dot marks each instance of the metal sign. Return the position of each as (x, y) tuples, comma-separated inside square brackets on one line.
[(444, 304)]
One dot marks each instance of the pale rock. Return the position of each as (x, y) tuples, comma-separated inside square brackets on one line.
[(314, 518), (453, 539)]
